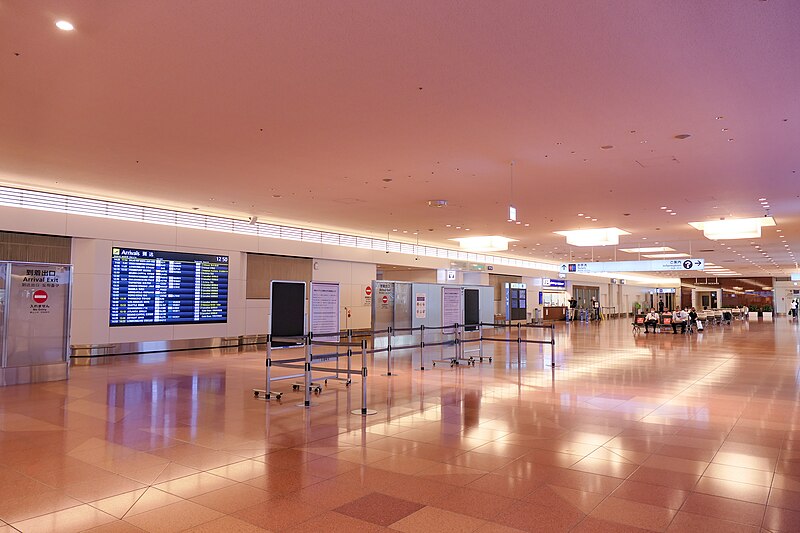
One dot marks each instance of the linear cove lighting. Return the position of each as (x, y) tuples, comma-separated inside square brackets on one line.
[(651, 249), (487, 243), (733, 228), (593, 237), (665, 256)]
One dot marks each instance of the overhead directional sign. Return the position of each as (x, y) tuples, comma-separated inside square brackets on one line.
[(663, 265)]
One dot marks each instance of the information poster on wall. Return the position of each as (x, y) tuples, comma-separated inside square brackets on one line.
[(451, 307), (38, 306), (325, 310), (421, 305)]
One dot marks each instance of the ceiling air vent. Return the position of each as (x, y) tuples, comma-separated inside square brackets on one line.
[(437, 203), (706, 251)]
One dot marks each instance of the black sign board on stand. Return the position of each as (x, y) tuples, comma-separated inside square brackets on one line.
[(287, 313)]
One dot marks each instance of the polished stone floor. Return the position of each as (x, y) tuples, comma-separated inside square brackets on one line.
[(660, 433)]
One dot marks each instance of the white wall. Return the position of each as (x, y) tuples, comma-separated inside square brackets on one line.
[(782, 291), (91, 259), (353, 279), (93, 238)]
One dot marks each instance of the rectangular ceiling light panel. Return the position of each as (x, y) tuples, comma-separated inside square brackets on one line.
[(593, 237), (734, 228)]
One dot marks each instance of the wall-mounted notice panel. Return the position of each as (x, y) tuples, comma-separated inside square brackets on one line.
[(324, 307), (402, 305), (451, 307), (157, 287), (287, 311), (382, 304)]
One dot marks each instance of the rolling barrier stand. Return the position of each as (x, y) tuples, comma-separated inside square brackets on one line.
[(457, 356), (267, 394), (364, 411)]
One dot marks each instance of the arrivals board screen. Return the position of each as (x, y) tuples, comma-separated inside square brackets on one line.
[(155, 287)]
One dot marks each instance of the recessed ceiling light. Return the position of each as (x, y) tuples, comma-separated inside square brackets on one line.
[(580, 214), (64, 25), (663, 207), (673, 213)]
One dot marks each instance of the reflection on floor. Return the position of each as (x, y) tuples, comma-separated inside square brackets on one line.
[(660, 432)]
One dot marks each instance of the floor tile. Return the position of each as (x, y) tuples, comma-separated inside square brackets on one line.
[(232, 498), (777, 519), (379, 509), (537, 517), (633, 513), (173, 517), (690, 523), (434, 520), (725, 509), (69, 520), (278, 514)]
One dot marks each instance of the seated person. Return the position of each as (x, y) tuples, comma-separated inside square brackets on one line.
[(693, 316), (651, 320), (679, 318)]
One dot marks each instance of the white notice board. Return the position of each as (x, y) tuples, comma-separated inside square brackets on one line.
[(421, 305), (324, 310), (451, 307)]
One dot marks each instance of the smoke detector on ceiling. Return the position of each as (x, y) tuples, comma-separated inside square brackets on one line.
[(437, 203)]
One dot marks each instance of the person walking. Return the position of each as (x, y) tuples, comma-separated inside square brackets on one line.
[(595, 309)]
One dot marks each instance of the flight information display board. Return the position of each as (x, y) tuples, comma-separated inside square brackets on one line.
[(155, 287)]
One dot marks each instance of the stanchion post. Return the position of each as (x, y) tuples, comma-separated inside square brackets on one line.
[(519, 344), (421, 347), (553, 345), (269, 365), (349, 357), (363, 411), (307, 377), (389, 352)]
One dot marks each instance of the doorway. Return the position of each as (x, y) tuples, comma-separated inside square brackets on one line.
[(584, 295)]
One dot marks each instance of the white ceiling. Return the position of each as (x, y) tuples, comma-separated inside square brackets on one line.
[(353, 114)]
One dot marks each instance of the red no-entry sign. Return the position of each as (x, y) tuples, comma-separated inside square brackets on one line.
[(368, 290), (385, 299), (40, 297)]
